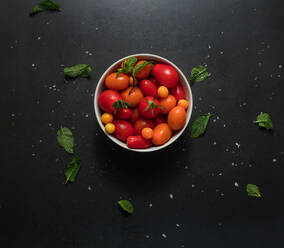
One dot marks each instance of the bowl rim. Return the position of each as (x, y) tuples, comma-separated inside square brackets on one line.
[(97, 109)]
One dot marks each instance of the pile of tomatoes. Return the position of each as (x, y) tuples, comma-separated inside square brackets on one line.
[(145, 109)]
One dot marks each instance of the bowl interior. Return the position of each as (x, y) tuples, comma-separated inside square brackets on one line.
[(113, 68)]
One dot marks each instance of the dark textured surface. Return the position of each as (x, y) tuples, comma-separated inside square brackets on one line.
[(242, 44)]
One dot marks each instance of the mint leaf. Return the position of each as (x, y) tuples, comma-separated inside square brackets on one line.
[(126, 206), (264, 120), (253, 190), (65, 139), (199, 125), (198, 73), (80, 70), (72, 170), (44, 5), (137, 68)]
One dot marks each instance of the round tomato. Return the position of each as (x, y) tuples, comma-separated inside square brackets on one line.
[(161, 134), (167, 103), (148, 87), (123, 129), (142, 123), (106, 100), (134, 97), (177, 118), (178, 92), (165, 75), (160, 119), (149, 107), (134, 115), (119, 82), (145, 71), (123, 113), (137, 142)]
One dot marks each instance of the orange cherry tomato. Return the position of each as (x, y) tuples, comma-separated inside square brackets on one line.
[(145, 71), (147, 133), (163, 91), (177, 118), (117, 83), (133, 81), (134, 97), (167, 104), (161, 134), (183, 103)]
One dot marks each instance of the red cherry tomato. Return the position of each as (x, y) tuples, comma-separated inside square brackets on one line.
[(142, 123), (134, 116), (123, 113), (178, 92), (149, 107), (155, 82), (165, 75), (160, 119), (123, 129), (138, 142), (148, 87), (106, 100)]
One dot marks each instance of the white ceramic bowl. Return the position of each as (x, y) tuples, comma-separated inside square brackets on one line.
[(146, 56)]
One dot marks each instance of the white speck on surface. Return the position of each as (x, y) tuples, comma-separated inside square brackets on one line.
[(89, 188), (278, 76), (147, 236), (86, 52), (86, 115), (13, 115), (255, 78), (279, 66), (247, 48), (177, 225), (259, 64), (220, 174), (164, 235), (222, 32), (237, 144), (97, 28), (38, 38), (171, 196), (192, 185), (33, 154), (40, 141), (214, 143), (200, 98), (90, 54), (221, 52), (274, 160), (49, 124), (150, 205), (224, 125), (250, 165), (33, 65), (236, 184), (209, 46), (219, 224), (222, 194), (219, 90), (58, 101)]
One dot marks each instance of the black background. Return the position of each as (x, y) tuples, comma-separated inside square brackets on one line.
[(241, 42)]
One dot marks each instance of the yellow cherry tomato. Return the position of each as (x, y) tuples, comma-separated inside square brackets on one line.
[(106, 118), (147, 133), (163, 91), (183, 103), (110, 128)]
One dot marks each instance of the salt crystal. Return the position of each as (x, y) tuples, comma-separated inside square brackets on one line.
[(89, 188), (192, 185), (38, 38), (177, 225), (221, 52), (259, 64), (209, 46), (147, 236), (13, 115), (33, 154), (171, 196), (274, 160), (33, 65), (164, 235), (87, 52), (237, 144), (280, 66), (219, 89), (236, 184), (86, 115), (150, 205), (214, 143)]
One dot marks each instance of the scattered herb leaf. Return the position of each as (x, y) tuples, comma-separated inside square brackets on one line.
[(127, 66), (126, 206), (137, 68), (72, 169), (80, 70), (264, 120), (44, 5), (199, 125), (198, 73), (253, 190), (65, 139)]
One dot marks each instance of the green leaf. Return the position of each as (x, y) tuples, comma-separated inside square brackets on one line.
[(80, 70), (198, 73), (264, 120), (65, 139), (72, 170), (253, 190), (137, 68), (126, 206), (199, 125), (44, 5), (129, 64)]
